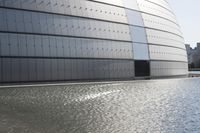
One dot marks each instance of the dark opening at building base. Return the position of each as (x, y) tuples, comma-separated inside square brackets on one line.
[(142, 68)]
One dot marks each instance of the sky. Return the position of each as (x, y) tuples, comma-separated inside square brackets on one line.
[(188, 15)]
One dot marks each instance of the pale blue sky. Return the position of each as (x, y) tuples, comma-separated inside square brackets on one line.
[(188, 15)]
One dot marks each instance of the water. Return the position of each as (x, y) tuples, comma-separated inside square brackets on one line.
[(166, 106)]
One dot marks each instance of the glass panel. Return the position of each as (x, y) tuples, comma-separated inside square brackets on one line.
[(141, 51), (134, 18), (138, 34)]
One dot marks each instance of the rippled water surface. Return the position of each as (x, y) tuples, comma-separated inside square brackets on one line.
[(167, 106)]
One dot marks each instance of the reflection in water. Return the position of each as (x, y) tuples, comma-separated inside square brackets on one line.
[(169, 106)]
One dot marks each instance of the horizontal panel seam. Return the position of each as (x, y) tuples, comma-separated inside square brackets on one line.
[(152, 60), (134, 10), (160, 6), (103, 20), (70, 58), (83, 16)]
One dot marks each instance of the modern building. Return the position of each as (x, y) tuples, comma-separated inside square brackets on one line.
[(193, 56), (189, 53), (71, 40)]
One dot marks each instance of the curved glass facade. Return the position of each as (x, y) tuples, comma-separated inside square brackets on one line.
[(66, 40)]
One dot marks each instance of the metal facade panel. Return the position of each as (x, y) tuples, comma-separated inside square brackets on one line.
[(159, 23), (38, 46), (3, 20), (13, 42), (46, 46), (15, 68), (30, 45), (132, 4), (164, 38), (36, 22), (161, 3), (60, 47), (1, 71), (28, 22), (40, 69), (32, 67), (24, 71), (54, 69), (53, 47), (20, 21), (113, 2), (68, 69), (11, 19), (5, 47), (47, 70), (61, 69), (167, 53), (163, 68), (6, 69), (155, 9)]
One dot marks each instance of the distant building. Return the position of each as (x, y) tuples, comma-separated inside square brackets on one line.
[(193, 56), (189, 53)]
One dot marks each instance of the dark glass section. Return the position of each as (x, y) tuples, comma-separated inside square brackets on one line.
[(142, 68)]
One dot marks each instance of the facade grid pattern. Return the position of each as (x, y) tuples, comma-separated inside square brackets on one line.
[(65, 40)]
